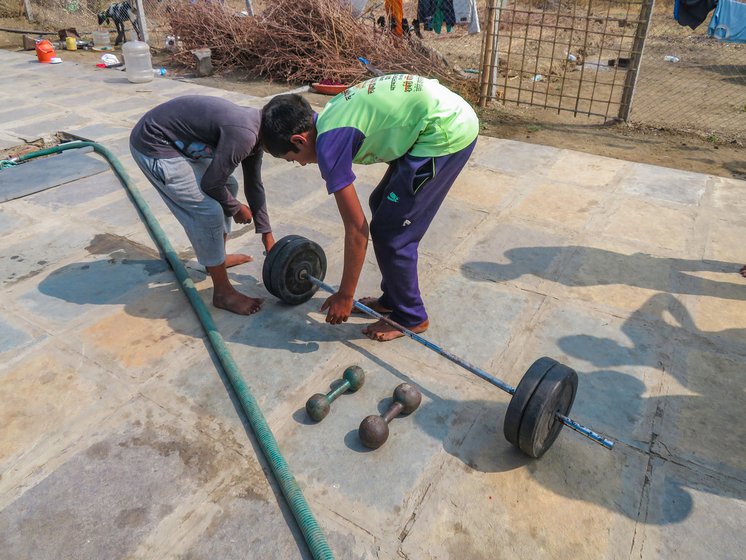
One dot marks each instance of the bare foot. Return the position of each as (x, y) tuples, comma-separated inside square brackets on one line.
[(383, 332), (371, 302), (743, 271), (236, 259), (236, 302)]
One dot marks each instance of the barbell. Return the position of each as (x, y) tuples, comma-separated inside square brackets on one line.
[(294, 270)]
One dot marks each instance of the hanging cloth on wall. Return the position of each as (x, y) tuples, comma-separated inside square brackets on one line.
[(728, 22), (395, 12)]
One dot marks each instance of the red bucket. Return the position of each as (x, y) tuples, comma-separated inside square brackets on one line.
[(45, 51)]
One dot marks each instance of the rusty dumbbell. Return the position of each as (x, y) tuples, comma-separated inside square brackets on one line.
[(374, 430), (318, 405)]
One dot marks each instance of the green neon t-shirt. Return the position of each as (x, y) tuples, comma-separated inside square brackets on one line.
[(398, 114)]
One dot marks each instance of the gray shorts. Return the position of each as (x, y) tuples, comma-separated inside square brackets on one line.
[(202, 217)]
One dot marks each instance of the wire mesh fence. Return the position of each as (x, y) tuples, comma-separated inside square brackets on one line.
[(689, 81), (157, 12), (578, 57), (457, 37), (604, 59), (615, 59), (52, 15)]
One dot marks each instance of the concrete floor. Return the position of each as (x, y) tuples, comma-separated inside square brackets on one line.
[(121, 439)]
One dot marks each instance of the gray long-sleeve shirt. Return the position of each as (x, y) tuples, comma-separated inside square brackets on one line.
[(200, 126)]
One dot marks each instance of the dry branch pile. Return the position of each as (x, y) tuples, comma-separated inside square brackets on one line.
[(303, 41)]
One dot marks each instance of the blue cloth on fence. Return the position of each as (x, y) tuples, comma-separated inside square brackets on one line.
[(728, 22)]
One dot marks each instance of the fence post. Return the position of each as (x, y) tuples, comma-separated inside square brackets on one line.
[(141, 17), (488, 75), (638, 45), (29, 14)]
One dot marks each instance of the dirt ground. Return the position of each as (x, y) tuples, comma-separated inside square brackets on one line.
[(645, 145), (654, 146), (618, 140)]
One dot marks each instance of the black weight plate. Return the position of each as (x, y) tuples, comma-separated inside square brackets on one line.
[(539, 425), (297, 256), (270, 258), (307, 256), (524, 391), (276, 274)]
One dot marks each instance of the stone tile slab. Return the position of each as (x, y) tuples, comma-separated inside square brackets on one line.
[(484, 189), (31, 130), (11, 221), (586, 170), (80, 193), (656, 224), (98, 131), (661, 183), (491, 502), (700, 412), (728, 197), (18, 113), (514, 252), (52, 396), (513, 158), (48, 172), (68, 291), (16, 333), (724, 243), (690, 515), (99, 504), (562, 207), (24, 260)]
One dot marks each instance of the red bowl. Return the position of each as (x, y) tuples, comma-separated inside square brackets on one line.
[(329, 89)]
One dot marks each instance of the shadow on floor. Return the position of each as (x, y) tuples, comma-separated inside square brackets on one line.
[(472, 430), (600, 267)]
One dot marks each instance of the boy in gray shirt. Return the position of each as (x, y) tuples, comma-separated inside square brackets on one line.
[(188, 148)]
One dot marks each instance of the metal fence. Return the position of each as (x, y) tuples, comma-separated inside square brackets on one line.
[(51, 15), (459, 42), (689, 81), (604, 59), (622, 59), (579, 57)]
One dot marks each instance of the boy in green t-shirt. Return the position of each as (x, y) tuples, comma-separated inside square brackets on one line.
[(425, 132)]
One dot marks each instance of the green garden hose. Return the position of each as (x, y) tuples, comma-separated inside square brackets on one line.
[(315, 539)]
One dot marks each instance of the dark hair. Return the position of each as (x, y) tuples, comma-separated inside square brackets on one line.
[(284, 116)]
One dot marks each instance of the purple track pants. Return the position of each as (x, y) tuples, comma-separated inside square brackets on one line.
[(403, 205)]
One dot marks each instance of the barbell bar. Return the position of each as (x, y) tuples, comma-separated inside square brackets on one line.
[(569, 422), (294, 270)]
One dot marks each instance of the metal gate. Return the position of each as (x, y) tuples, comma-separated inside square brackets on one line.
[(578, 56)]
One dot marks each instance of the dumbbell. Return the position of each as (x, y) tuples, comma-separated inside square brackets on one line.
[(374, 430), (318, 405)]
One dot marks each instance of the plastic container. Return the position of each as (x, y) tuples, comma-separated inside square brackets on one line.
[(71, 44), (45, 51), (101, 39), (137, 62)]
